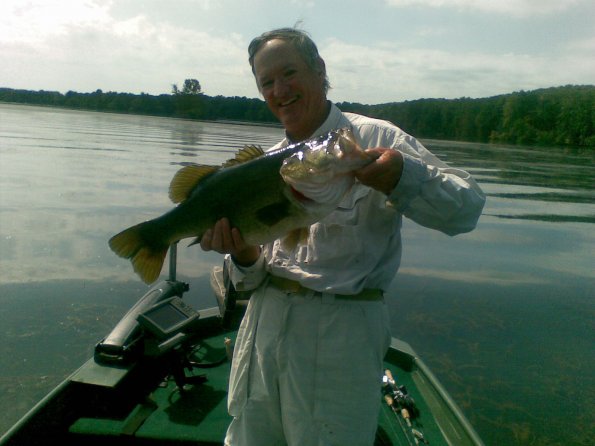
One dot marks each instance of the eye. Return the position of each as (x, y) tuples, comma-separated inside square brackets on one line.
[(266, 84)]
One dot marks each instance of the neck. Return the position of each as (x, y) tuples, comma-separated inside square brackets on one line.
[(315, 125)]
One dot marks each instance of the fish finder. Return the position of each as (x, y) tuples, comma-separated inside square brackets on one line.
[(168, 317)]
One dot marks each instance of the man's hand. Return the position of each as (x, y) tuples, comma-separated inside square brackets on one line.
[(384, 173), (227, 240)]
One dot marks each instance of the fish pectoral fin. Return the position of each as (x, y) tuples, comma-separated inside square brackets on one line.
[(273, 213), (247, 153), (294, 238), (186, 179)]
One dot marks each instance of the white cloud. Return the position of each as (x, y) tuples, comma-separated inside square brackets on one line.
[(587, 45), (83, 53), (385, 74), (84, 45), (33, 21), (519, 8)]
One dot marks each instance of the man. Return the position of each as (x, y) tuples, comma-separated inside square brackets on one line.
[(307, 365)]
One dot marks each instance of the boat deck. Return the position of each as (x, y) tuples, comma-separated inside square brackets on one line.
[(141, 403), (131, 406), (197, 415)]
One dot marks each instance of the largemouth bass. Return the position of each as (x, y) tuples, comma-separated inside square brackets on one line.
[(266, 195)]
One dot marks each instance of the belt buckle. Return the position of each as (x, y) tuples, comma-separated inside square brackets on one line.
[(293, 287), (285, 285)]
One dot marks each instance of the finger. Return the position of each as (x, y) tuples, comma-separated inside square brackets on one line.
[(216, 238), (226, 237), (206, 239), (367, 170), (375, 152), (238, 240)]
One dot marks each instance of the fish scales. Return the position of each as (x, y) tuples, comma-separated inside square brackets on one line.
[(251, 195)]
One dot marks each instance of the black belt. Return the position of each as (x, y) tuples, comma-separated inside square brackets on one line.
[(291, 286)]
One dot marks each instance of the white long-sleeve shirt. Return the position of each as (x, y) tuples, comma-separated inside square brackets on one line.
[(358, 245)]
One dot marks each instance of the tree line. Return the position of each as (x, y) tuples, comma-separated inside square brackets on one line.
[(178, 104), (558, 116), (555, 116)]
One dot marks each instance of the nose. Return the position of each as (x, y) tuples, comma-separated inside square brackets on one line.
[(281, 87)]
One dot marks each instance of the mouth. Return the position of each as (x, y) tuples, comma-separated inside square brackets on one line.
[(289, 102)]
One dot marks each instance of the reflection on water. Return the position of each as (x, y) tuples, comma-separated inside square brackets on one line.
[(70, 180), (503, 315), (561, 177)]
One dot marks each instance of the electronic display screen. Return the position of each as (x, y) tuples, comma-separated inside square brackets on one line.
[(166, 316)]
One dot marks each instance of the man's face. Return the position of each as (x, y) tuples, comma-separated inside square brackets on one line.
[(293, 91)]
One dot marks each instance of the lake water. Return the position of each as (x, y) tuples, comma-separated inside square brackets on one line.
[(503, 315)]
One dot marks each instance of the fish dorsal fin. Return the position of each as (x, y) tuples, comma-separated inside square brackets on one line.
[(247, 153), (186, 179)]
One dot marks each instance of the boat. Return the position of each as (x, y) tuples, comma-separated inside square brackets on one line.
[(160, 378)]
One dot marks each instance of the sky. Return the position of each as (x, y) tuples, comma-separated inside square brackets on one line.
[(376, 51)]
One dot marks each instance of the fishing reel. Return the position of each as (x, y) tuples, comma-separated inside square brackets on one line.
[(404, 408), (399, 395)]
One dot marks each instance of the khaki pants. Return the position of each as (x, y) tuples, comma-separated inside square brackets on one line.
[(307, 370)]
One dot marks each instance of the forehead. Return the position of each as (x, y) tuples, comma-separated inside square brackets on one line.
[(276, 55)]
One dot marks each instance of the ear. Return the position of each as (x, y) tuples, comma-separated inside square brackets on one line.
[(321, 67)]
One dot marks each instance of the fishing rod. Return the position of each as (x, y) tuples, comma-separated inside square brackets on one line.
[(173, 261), (391, 403)]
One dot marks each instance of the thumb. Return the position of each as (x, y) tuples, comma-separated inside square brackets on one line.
[(375, 152)]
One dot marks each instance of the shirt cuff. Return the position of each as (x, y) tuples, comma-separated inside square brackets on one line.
[(415, 172), (246, 278)]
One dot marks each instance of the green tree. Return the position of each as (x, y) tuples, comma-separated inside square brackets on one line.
[(188, 101), (190, 87)]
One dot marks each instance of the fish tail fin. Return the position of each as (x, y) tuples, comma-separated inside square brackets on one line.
[(146, 254)]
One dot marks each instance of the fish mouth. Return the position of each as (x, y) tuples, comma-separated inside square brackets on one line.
[(299, 196)]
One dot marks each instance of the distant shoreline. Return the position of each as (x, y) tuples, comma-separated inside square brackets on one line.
[(216, 121), (560, 116)]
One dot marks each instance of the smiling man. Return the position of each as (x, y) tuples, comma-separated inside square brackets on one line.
[(294, 91), (307, 365)]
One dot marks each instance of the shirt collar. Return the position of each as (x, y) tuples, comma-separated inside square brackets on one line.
[(332, 122)]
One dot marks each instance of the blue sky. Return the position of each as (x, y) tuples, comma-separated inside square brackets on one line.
[(376, 50)]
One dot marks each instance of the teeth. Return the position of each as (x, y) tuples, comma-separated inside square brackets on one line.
[(291, 101)]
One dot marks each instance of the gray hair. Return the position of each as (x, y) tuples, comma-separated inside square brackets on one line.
[(300, 40)]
